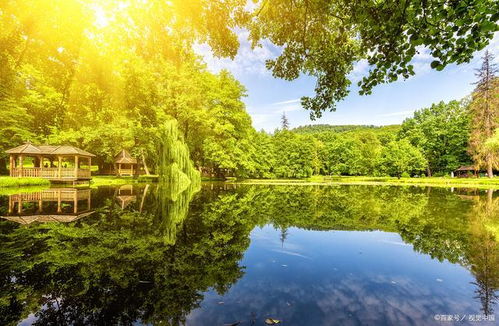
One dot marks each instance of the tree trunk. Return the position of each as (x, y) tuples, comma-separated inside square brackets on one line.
[(146, 169), (428, 171), (490, 172)]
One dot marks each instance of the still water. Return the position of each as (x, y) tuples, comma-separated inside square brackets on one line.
[(223, 254)]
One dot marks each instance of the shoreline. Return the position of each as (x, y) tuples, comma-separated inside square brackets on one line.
[(8, 184), (380, 181)]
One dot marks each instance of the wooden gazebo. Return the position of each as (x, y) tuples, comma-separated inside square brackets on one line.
[(125, 164), (50, 162), (466, 171)]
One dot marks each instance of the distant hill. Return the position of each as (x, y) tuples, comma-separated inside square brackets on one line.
[(319, 128)]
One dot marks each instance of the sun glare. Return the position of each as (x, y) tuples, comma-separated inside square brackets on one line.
[(105, 11), (101, 17)]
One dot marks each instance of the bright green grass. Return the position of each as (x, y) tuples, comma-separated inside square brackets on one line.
[(22, 182), (485, 183)]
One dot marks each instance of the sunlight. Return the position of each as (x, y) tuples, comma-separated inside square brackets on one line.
[(101, 17), (105, 11)]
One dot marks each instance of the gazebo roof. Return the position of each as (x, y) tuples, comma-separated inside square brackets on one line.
[(31, 149), (466, 168), (124, 157)]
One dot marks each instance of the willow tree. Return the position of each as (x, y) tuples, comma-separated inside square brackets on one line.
[(173, 163), (485, 112)]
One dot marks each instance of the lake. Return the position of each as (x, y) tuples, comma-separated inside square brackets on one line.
[(228, 254)]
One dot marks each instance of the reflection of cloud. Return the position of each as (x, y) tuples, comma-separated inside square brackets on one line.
[(287, 252), (398, 243), (342, 299)]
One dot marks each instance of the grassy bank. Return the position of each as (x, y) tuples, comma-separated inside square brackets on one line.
[(484, 183), (15, 183), (9, 182)]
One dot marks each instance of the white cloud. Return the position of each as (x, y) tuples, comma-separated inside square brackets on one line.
[(247, 61), (360, 69), (297, 100), (397, 114)]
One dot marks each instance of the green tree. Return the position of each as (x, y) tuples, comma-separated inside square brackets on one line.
[(294, 155), (400, 157), (442, 132), (493, 142), (284, 121), (485, 114)]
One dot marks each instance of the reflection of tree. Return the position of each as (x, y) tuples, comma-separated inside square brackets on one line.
[(283, 235), (119, 266), (483, 256), (153, 263)]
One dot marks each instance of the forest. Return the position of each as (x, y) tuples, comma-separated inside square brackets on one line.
[(120, 75)]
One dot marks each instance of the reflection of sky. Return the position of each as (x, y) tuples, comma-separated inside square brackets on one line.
[(339, 278)]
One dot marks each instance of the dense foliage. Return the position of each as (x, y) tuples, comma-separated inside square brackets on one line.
[(442, 133), (324, 39), (112, 78), (110, 75)]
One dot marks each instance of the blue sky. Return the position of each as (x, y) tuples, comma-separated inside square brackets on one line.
[(389, 104)]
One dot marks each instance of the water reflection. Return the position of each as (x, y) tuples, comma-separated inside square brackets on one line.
[(51, 205), (125, 195), (484, 250), (155, 255)]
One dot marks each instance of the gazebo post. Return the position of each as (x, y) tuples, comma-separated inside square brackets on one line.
[(11, 165), (59, 166), (131, 167), (21, 160), (76, 166), (41, 165), (59, 201), (75, 202), (90, 165)]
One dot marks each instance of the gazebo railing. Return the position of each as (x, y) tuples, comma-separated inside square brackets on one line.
[(50, 173), (125, 172), (52, 195)]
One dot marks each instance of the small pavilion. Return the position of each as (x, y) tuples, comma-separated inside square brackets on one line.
[(125, 164), (56, 163), (466, 172)]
